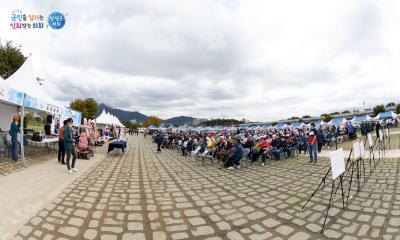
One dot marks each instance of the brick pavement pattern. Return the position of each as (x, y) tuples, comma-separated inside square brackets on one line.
[(147, 195)]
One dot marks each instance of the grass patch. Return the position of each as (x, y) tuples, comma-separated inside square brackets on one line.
[(36, 127)]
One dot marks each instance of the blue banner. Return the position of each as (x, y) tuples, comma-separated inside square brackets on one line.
[(10, 95), (69, 113)]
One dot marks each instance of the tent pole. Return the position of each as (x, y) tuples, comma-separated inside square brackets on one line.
[(23, 160)]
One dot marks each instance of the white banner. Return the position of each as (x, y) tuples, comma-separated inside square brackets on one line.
[(362, 150), (337, 163), (370, 139), (356, 150)]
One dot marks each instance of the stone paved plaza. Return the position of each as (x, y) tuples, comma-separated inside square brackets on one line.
[(146, 195)]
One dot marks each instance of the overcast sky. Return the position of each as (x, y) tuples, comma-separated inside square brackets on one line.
[(261, 60)]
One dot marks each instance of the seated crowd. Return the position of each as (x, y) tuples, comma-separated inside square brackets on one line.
[(258, 145), (261, 145)]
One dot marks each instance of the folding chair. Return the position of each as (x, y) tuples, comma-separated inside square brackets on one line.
[(210, 156), (246, 151), (195, 153), (202, 155)]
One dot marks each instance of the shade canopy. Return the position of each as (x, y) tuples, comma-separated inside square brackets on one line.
[(338, 121), (385, 115), (297, 124), (281, 126), (361, 118), (153, 127)]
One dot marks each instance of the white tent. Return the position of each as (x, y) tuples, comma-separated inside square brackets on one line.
[(106, 118), (24, 80), (385, 115), (102, 119), (22, 89), (9, 100)]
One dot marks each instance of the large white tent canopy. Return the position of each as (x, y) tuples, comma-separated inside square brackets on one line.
[(24, 81), (106, 118), (21, 89)]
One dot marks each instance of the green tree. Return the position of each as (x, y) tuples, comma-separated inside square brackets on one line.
[(168, 125), (28, 119), (153, 120), (398, 108), (391, 104), (127, 123), (327, 118), (346, 111), (293, 118), (224, 122), (378, 109), (11, 58), (88, 107), (136, 125)]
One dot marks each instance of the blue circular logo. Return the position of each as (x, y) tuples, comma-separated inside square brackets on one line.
[(56, 20)]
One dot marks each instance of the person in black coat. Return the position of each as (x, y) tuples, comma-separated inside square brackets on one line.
[(159, 140), (320, 139)]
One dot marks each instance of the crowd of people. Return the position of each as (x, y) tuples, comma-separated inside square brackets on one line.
[(228, 147)]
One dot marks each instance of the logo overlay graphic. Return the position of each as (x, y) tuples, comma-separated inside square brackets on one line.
[(56, 20), (21, 20)]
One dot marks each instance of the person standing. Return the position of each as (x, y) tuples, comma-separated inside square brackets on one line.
[(61, 149), (159, 140), (14, 139), (313, 143), (70, 146), (320, 139), (377, 128)]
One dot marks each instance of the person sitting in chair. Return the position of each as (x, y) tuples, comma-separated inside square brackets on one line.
[(236, 156), (276, 147)]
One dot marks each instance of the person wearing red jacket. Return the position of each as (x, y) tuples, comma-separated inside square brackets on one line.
[(313, 143), (61, 149)]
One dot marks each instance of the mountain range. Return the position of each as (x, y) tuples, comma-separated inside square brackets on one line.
[(123, 115)]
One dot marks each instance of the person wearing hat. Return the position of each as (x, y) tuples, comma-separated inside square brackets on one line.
[(313, 144), (14, 139)]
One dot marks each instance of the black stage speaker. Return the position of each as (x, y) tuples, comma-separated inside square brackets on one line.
[(49, 119)]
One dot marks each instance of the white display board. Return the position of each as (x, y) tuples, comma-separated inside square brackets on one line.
[(370, 139), (380, 135), (356, 150), (6, 114), (362, 148), (387, 132), (337, 163)]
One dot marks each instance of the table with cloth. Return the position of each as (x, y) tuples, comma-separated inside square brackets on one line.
[(115, 144)]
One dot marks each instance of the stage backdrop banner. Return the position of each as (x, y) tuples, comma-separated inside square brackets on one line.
[(370, 139), (69, 113), (10, 95), (337, 163), (32, 102), (356, 150)]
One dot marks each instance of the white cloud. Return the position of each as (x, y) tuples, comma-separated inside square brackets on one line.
[(263, 60)]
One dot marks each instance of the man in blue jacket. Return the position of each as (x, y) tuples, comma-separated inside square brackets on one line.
[(14, 139), (234, 160)]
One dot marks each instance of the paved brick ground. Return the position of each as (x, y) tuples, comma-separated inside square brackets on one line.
[(146, 195), (34, 156), (7, 166)]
